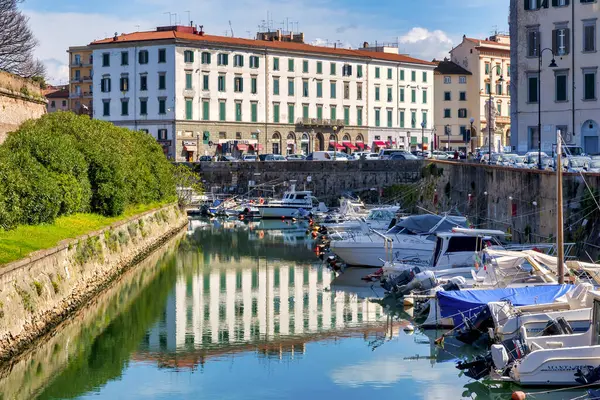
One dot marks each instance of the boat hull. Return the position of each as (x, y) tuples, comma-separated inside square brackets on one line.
[(279, 211), (371, 254)]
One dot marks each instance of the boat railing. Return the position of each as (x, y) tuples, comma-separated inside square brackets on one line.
[(547, 248)]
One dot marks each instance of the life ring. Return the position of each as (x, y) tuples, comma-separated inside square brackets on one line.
[(261, 234), (262, 201)]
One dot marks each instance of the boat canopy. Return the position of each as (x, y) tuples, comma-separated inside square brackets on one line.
[(420, 224), (468, 303)]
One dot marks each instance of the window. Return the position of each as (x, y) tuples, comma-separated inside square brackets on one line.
[(488, 88), (333, 110), (499, 88), (238, 111), (238, 60), (143, 57), (377, 117), (389, 94), (447, 113), (253, 85), (162, 134), (205, 82), (347, 70), (359, 91), (332, 68), (462, 113), (188, 56), (124, 84), (188, 80), (319, 111), (401, 74), (105, 85), (106, 108), (537, 4), (413, 119), (143, 106), (290, 86), (401, 118), (305, 66), (487, 68), (162, 81), (413, 76), (254, 62), (346, 90), (276, 113), (402, 94), (222, 111), (189, 104), (275, 63), (305, 87), (424, 118), (589, 81), (332, 90), (589, 35), (238, 84), (376, 93), (144, 82), (205, 110), (162, 106), (254, 111), (124, 58), (424, 96), (346, 116), (106, 59), (462, 96), (389, 73), (424, 77), (462, 80), (304, 111), (447, 80), (52, 104), (275, 86), (359, 116), (319, 89), (533, 42), (376, 72), (532, 89), (499, 109), (389, 118), (359, 71), (162, 56), (64, 103), (413, 95), (290, 64), (221, 83), (222, 59), (508, 71), (561, 86), (205, 57), (560, 41), (291, 113), (447, 96)]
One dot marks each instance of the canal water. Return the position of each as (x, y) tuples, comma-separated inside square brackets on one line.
[(232, 310)]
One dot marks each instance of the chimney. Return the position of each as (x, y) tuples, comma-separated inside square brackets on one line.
[(335, 45), (365, 45), (116, 37), (201, 33)]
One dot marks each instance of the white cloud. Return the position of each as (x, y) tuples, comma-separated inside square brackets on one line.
[(426, 44)]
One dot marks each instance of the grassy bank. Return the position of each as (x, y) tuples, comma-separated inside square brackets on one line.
[(25, 239)]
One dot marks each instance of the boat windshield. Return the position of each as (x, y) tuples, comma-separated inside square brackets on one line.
[(576, 163), (421, 224), (380, 215)]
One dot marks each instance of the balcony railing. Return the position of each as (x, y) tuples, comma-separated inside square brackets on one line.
[(87, 78), (316, 122)]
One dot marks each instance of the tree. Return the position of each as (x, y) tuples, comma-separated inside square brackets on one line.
[(17, 42), (188, 183)]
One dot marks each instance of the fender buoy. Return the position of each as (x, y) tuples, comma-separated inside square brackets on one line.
[(261, 234), (262, 201)]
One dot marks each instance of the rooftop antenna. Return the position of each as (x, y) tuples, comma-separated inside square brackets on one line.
[(189, 18), (175, 14), (249, 34), (170, 14), (231, 27), (137, 28)]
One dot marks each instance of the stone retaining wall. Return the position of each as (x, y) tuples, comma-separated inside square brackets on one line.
[(40, 291)]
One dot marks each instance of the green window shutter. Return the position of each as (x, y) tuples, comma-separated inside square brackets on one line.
[(319, 89), (413, 140), (304, 111), (424, 96), (222, 110), (346, 116), (389, 94), (188, 81), (376, 93), (205, 137), (291, 65), (320, 112), (413, 76), (276, 86), (377, 115), (390, 73), (291, 113), (359, 117), (238, 112), (333, 112), (254, 111), (424, 76), (377, 72), (389, 118), (290, 87), (124, 107), (205, 82), (143, 107), (359, 72), (332, 69), (276, 113), (205, 110), (319, 67), (413, 119), (253, 86), (401, 119), (188, 109), (162, 106), (276, 64), (333, 89), (401, 74), (305, 66), (413, 96), (402, 94)]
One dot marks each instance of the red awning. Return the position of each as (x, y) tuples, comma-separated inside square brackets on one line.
[(379, 143), (254, 146), (337, 146), (367, 147), (360, 145), (350, 145), (242, 147)]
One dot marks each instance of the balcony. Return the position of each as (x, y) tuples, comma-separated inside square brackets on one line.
[(87, 78), (320, 122), (76, 79), (80, 64), (75, 95), (88, 94)]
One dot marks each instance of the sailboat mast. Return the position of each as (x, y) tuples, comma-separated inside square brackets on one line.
[(559, 210)]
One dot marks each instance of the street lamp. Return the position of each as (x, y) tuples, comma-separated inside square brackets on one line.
[(257, 144), (472, 120), (489, 122), (336, 142), (447, 132), (539, 99), (422, 134)]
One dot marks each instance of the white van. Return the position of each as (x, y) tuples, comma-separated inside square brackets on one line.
[(328, 156)]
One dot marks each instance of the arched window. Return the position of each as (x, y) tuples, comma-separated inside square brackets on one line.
[(346, 138), (276, 142), (359, 138), (291, 136), (305, 137), (332, 138)]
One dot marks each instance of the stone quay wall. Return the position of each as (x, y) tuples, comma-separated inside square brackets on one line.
[(42, 290)]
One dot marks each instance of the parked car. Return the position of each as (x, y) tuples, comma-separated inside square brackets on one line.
[(440, 155), (518, 162), (385, 154), (295, 157), (507, 159), (576, 164), (227, 159), (421, 154), (205, 158), (403, 156), (594, 166), (249, 157), (532, 157), (328, 156), (271, 157)]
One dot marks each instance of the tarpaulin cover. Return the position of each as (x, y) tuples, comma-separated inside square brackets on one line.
[(471, 302), (418, 224)]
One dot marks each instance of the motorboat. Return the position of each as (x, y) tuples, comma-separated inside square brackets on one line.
[(412, 237), (379, 219), (294, 204)]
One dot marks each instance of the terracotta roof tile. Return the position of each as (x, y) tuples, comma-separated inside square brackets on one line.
[(451, 68), (487, 42), (292, 46)]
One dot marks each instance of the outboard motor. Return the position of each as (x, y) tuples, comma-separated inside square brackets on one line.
[(422, 281), (402, 279), (454, 284), (474, 328), (499, 358)]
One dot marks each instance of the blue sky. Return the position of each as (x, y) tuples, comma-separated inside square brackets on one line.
[(424, 29)]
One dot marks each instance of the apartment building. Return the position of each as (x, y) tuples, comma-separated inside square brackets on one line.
[(58, 98), (200, 94), (80, 79), (488, 60), (566, 91), (457, 101)]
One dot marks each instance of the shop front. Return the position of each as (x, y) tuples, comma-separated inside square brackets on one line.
[(191, 150)]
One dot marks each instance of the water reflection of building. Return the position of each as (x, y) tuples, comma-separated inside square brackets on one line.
[(231, 306)]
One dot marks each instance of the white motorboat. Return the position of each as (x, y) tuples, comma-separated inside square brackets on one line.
[(379, 219), (412, 238), (294, 204)]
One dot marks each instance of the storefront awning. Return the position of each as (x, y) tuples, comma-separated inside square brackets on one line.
[(379, 143), (242, 147), (350, 145), (360, 145), (191, 149), (255, 147), (337, 146)]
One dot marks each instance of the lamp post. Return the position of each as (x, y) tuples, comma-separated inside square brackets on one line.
[(422, 135), (447, 132), (472, 120), (336, 142), (539, 99), (257, 144), (489, 122)]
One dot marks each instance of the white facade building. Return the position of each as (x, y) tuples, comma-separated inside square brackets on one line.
[(200, 94), (567, 32)]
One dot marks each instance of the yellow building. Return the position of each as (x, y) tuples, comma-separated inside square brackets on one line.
[(80, 80)]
